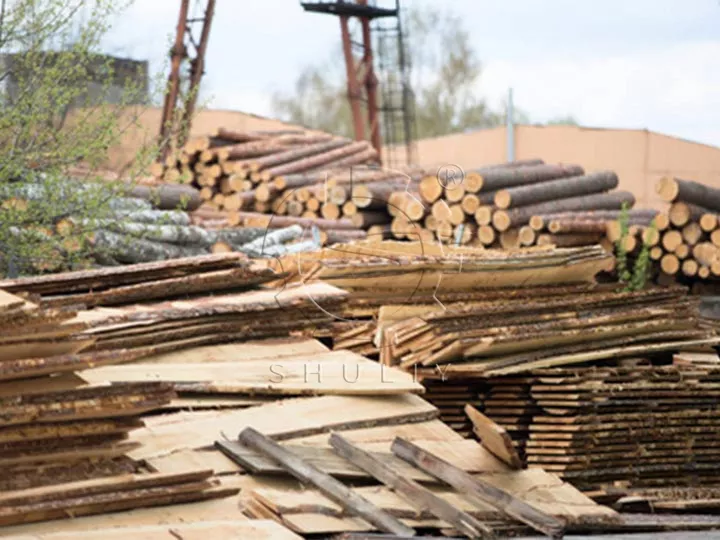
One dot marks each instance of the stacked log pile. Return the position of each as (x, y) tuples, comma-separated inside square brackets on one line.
[(512, 205), (150, 227), (687, 243)]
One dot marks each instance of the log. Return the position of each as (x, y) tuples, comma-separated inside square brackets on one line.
[(223, 134), (170, 217), (127, 249), (470, 204), (253, 219), (505, 177), (295, 154), (682, 251), (430, 188), (168, 196), (690, 267), (477, 490), (330, 237), (569, 240), (670, 264), (692, 233), (333, 489), (375, 196), (556, 189), (681, 213), (708, 222), (576, 226), (483, 215), (317, 160), (671, 239), (527, 236), (262, 246), (688, 191), (504, 219)]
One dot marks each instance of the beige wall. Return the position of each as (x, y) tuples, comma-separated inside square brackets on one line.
[(639, 157)]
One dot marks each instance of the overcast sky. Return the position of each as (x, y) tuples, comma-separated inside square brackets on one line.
[(618, 63)]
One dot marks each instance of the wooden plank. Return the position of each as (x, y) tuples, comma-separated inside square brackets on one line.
[(282, 420), (225, 509), (250, 350), (330, 373), (324, 459), (240, 529), (417, 495), (494, 438), (330, 487), (477, 489)]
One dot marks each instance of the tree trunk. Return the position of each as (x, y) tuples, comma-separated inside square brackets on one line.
[(688, 191), (295, 154), (127, 249), (504, 219), (168, 196), (318, 160), (505, 177), (261, 246), (169, 217), (556, 189)]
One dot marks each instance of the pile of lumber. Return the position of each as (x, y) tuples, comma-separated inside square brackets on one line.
[(142, 282), (687, 241), (510, 205), (64, 442), (522, 330), (390, 281), (636, 428)]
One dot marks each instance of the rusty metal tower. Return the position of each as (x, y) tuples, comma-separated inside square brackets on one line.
[(362, 82), (187, 65)]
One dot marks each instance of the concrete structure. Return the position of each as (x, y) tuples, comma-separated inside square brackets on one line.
[(127, 74), (639, 157)]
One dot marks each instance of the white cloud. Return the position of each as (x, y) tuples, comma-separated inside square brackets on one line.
[(673, 89)]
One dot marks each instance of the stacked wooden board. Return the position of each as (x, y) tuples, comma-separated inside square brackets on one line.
[(642, 429), (687, 242), (512, 335), (64, 443)]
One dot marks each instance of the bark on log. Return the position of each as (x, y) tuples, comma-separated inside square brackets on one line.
[(504, 219), (295, 154), (127, 249), (569, 240), (253, 219), (688, 191), (562, 188), (557, 226), (169, 217), (263, 245), (505, 177), (168, 196), (317, 160)]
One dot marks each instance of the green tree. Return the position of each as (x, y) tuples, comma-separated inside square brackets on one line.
[(445, 72), (49, 123), (567, 120)]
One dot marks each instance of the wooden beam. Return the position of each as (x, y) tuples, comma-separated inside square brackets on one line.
[(330, 487), (420, 497), (477, 489)]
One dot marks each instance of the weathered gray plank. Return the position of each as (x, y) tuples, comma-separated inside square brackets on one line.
[(478, 490), (413, 492), (329, 486)]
